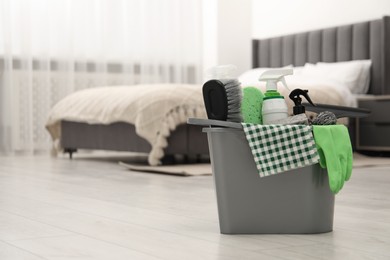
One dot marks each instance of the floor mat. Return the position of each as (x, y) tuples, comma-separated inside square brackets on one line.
[(198, 169), (178, 169)]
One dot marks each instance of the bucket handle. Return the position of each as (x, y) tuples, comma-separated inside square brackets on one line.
[(212, 122)]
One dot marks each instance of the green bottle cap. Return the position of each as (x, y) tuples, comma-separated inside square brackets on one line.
[(270, 94)]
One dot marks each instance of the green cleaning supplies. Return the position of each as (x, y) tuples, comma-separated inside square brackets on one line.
[(334, 147), (274, 105), (251, 105), (280, 148)]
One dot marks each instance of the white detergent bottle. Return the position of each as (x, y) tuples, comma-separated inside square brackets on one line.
[(274, 106)]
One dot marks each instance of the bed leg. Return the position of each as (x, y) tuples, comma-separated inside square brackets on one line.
[(168, 159), (186, 158), (70, 151)]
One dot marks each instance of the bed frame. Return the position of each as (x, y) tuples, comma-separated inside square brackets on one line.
[(185, 140), (364, 40)]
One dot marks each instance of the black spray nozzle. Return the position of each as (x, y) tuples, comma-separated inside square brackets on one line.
[(295, 96)]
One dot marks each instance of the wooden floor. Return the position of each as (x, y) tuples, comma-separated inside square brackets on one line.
[(95, 209)]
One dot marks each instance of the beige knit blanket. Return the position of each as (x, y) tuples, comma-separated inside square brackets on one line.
[(155, 111)]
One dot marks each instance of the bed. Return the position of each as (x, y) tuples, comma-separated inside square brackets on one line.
[(360, 41), (141, 118)]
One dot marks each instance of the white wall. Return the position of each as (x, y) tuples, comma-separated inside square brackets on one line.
[(278, 17), (235, 33), (227, 33), (230, 25)]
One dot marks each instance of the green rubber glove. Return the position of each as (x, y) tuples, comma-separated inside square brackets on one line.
[(334, 147)]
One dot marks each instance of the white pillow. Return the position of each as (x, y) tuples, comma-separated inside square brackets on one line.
[(355, 74), (251, 77)]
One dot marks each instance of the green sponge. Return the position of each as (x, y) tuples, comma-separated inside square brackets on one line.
[(251, 105)]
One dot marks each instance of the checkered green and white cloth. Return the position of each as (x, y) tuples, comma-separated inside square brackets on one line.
[(280, 148)]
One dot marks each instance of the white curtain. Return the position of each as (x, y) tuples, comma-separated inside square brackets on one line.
[(50, 48)]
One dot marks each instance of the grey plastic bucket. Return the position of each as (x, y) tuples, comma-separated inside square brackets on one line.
[(293, 202)]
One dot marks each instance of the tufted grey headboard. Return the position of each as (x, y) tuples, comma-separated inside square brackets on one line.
[(365, 40)]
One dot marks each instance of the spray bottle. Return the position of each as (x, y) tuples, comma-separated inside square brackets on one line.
[(274, 105)]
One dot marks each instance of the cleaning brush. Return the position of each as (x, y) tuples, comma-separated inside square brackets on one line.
[(325, 118), (222, 99)]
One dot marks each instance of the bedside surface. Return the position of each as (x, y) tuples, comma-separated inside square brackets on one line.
[(372, 132)]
